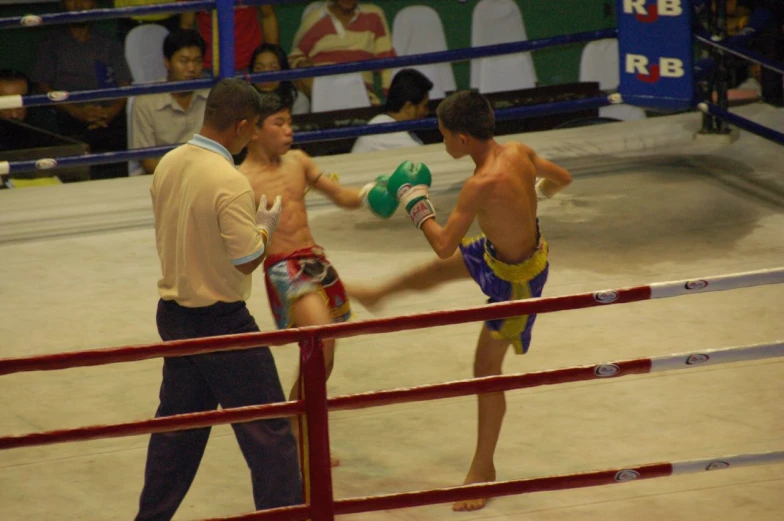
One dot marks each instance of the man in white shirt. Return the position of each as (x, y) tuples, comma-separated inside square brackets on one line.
[(408, 99), (171, 118)]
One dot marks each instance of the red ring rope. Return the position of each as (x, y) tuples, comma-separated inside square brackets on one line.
[(322, 505), (391, 324), (404, 395)]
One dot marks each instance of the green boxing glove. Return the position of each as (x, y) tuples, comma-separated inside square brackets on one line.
[(409, 184), (376, 197)]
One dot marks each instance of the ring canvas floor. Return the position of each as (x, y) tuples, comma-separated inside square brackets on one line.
[(648, 204)]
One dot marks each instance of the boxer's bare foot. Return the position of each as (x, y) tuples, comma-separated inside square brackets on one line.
[(477, 474)]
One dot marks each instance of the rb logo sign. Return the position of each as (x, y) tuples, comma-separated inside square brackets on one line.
[(652, 12), (647, 72)]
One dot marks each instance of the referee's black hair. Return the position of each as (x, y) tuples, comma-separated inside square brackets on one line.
[(230, 101)]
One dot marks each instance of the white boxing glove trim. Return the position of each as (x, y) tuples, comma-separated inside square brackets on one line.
[(421, 212), (412, 193)]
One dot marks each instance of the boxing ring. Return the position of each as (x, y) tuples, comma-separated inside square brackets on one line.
[(726, 218)]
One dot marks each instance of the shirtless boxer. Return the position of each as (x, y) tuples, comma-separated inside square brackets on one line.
[(302, 286), (509, 259)]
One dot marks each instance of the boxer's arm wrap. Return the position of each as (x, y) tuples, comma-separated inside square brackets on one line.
[(332, 176), (541, 193)]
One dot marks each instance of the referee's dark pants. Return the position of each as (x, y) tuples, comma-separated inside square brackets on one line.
[(200, 383)]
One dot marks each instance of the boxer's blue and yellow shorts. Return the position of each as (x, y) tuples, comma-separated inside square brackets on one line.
[(503, 282)]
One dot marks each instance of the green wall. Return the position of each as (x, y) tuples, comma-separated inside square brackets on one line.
[(542, 18)]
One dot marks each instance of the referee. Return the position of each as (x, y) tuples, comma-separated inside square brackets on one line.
[(210, 238)]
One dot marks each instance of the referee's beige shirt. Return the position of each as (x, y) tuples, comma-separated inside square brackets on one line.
[(205, 225)]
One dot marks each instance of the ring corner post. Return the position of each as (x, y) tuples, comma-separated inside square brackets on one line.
[(224, 15), (655, 54), (714, 128), (722, 83), (319, 472)]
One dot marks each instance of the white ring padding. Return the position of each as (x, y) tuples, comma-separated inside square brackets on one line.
[(5, 167), (720, 283), (740, 460), (31, 20), (14, 101), (707, 357)]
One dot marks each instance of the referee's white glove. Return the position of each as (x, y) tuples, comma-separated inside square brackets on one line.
[(267, 219)]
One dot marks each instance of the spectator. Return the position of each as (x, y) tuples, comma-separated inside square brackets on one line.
[(171, 118), (753, 24), (344, 31), (270, 57), (248, 32), (170, 21), (78, 58), (13, 82), (408, 99)]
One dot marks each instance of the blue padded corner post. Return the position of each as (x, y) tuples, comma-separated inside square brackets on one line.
[(655, 54), (225, 14)]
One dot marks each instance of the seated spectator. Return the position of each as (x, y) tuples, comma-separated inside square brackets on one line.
[(344, 31), (13, 82), (248, 33), (753, 24), (170, 118), (170, 21), (76, 57), (269, 57), (407, 100)]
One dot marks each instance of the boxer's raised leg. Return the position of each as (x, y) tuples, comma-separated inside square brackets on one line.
[(421, 278)]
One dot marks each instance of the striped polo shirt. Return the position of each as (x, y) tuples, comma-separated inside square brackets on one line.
[(324, 39)]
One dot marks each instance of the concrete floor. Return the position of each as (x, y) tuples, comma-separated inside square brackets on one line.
[(647, 205)]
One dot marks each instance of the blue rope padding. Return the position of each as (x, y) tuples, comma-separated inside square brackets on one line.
[(434, 57), (431, 123), (31, 20), (741, 122), (323, 70), (738, 50), (314, 135), (103, 14), (54, 97)]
